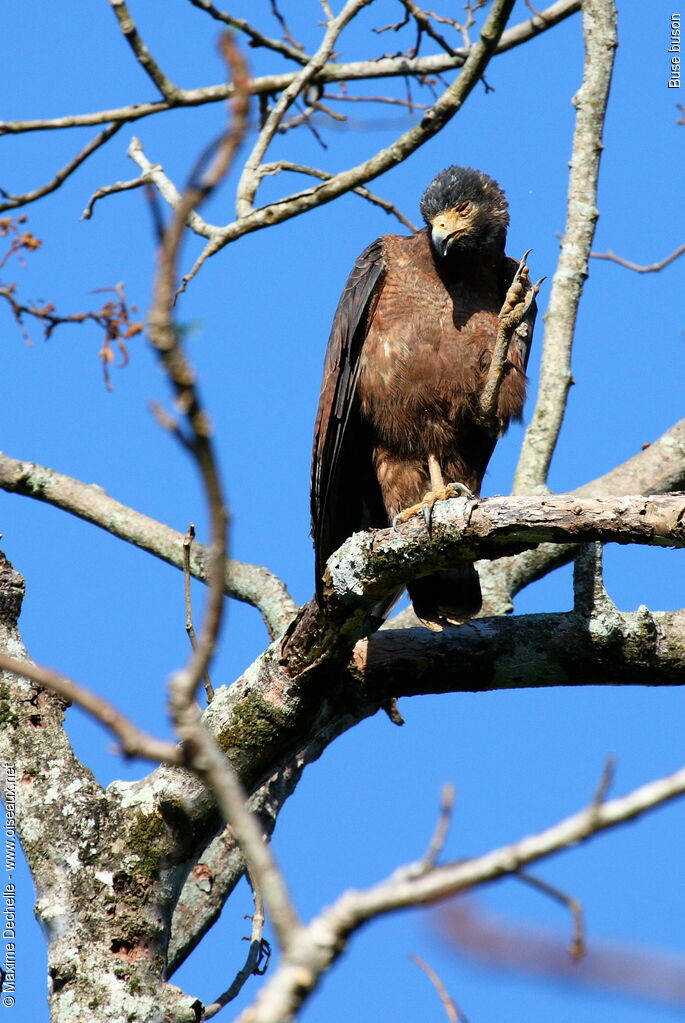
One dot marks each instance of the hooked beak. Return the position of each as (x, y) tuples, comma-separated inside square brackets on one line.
[(443, 238)]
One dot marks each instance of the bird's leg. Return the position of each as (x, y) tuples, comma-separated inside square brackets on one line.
[(512, 315), (439, 491)]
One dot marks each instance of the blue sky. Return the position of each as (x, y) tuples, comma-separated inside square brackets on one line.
[(112, 617)]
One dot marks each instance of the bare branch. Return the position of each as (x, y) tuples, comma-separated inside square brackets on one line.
[(354, 71), (652, 268), (599, 28), (113, 189), (451, 1010), (251, 584), (12, 201), (365, 193), (370, 565), (641, 648), (255, 963), (205, 757), (605, 782), (256, 37), (320, 943), (442, 111), (250, 178), (169, 91), (154, 173), (578, 947), (190, 628), (134, 741), (439, 838), (658, 468)]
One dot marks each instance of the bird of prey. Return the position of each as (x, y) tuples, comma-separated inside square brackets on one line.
[(407, 362)]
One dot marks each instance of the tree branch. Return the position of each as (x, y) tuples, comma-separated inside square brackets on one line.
[(134, 741), (637, 267), (599, 29), (256, 37), (442, 111), (369, 566), (658, 468), (250, 178), (321, 942), (390, 67), (169, 91), (13, 201), (251, 584), (365, 193)]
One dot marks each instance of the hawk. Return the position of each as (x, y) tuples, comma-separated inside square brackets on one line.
[(407, 360)]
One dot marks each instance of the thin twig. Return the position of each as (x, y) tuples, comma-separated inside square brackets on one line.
[(249, 178), (578, 947), (319, 944), (256, 37), (256, 962), (252, 584), (605, 782), (652, 268), (114, 188), (169, 91), (452, 1012), (190, 628), (437, 842), (298, 168)]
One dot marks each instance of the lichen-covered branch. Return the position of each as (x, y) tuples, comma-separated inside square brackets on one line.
[(99, 897), (370, 565), (599, 29), (659, 468)]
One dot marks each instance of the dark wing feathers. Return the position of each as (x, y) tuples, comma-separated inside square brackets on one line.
[(344, 488)]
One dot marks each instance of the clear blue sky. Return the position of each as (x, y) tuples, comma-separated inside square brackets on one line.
[(112, 617)]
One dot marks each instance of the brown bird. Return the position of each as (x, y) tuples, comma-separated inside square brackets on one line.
[(406, 364)]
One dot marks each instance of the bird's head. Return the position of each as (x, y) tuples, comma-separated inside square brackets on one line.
[(464, 210)]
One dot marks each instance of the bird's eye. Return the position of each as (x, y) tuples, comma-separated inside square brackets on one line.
[(462, 207)]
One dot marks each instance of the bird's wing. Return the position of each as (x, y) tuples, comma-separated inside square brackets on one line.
[(344, 491)]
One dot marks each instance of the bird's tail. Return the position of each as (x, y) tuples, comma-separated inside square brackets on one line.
[(447, 598)]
